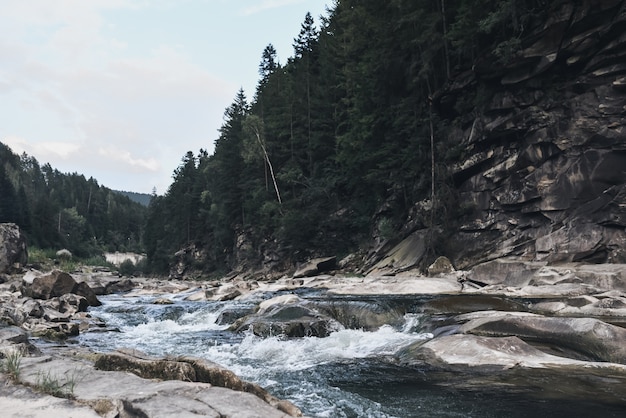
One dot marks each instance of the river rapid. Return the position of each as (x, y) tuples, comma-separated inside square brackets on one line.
[(351, 373)]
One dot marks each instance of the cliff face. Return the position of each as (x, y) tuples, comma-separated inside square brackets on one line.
[(543, 172)]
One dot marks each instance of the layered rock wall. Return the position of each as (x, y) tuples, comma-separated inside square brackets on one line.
[(544, 167)]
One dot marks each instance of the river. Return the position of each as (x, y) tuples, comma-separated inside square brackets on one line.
[(351, 373)]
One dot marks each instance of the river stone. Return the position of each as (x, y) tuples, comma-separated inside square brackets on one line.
[(57, 283), (368, 316), (288, 299), (13, 335), (289, 320), (591, 337), (459, 352), (13, 252)]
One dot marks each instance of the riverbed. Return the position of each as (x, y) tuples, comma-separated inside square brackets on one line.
[(350, 373)]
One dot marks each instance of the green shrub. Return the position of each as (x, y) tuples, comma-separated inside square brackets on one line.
[(127, 268)]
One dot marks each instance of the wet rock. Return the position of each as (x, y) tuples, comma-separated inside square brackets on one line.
[(119, 286), (226, 293), (163, 301), (590, 337), (368, 316), (13, 252), (287, 315)]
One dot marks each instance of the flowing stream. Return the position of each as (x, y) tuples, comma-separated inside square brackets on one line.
[(347, 374)]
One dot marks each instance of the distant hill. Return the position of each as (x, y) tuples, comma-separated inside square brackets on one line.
[(141, 198)]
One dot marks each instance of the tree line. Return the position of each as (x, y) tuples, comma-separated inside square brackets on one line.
[(342, 139), (61, 210)]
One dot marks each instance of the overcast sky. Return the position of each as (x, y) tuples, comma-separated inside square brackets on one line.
[(120, 90)]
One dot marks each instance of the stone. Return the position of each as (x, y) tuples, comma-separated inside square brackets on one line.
[(226, 293), (442, 265), (589, 337), (316, 266), (505, 271), (55, 284), (406, 255), (188, 369), (290, 319), (163, 301), (13, 251)]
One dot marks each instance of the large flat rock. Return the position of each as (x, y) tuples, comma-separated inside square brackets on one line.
[(112, 393)]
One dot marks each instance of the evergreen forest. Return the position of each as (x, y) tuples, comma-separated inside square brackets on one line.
[(340, 141), (60, 210)]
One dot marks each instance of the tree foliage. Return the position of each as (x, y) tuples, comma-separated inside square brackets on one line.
[(342, 133), (61, 210)]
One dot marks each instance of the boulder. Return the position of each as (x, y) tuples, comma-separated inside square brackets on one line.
[(508, 272), (442, 265), (316, 266), (589, 337), (406, 255), (13, 251), (55, 284), (287, 316)]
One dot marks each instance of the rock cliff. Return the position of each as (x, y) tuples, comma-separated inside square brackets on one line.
[(543, 167)]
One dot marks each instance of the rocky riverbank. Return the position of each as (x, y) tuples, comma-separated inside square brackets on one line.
[(550, 330), (40, 312)]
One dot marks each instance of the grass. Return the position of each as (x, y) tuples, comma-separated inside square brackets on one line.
[(48, 258), (55, 386), (12, 364)]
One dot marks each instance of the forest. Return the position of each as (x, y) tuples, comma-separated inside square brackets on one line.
[(60, 210), (339, 143)]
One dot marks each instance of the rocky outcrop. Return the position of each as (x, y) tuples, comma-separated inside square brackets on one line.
[(95, 392), (13, 252), (543, 171), (57, 283), (189, 370)]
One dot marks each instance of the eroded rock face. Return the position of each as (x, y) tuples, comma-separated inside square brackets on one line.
[(544, 168), (13, 252)]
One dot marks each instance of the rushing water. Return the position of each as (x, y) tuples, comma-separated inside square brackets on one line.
[(344, 375)]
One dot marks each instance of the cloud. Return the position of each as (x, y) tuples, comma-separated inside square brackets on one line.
[(49, 149), (267, 5), (150, 164), (85, 100)]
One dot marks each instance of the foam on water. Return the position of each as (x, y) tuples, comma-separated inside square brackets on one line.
[(301, 353), (289, 368)]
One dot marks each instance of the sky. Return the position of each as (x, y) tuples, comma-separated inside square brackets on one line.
[(120, 90)]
